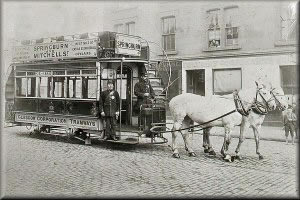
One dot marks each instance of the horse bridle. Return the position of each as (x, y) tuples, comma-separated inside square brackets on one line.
[(257, 107), (278, 103)]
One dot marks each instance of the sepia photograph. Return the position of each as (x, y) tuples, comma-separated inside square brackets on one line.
[(149, 99)]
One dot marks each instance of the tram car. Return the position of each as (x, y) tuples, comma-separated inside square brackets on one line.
[(55, 85)]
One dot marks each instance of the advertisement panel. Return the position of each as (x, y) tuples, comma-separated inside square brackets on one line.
[(55, 50), (128, 45)]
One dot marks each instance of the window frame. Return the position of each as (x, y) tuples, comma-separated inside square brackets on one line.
[(49, 79), (225, 69), (168, 34), (127, 28)]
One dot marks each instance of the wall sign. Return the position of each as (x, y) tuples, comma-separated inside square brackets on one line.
[(67, 49)]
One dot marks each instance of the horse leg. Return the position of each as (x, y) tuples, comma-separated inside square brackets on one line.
[(227, 140), (176, 126), (208, 148), (186, 137), (256, 130), (243, 127), (205, 143)]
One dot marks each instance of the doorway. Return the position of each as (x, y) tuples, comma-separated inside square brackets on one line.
[(125, 93), (196, 81)]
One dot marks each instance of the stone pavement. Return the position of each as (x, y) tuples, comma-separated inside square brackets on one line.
[(44, 167)]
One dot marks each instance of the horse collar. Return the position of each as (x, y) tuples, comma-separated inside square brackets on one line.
[(239, 105)]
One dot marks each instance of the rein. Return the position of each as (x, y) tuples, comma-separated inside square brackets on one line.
[(278, 103), (199, 124)]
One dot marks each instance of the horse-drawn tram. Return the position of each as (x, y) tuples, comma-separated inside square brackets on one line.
[(58, 85)]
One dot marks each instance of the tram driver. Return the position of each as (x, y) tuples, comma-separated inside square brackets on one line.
[(145, 93), (109, 104)]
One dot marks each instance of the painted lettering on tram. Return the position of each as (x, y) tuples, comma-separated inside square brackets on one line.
[(82, 122), (53, 54), (51, 119), (26, 117), (51, 46)]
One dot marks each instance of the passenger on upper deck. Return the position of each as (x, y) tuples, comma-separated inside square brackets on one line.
[(109, 107)]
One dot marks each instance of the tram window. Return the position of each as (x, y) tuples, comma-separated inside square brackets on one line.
[(74, 87), (89, 87), (45, 83), (31, 85), (92, 71), (108, 73), (73, 72), (104, 85), (21, 86), (124, 88), (58, 86)]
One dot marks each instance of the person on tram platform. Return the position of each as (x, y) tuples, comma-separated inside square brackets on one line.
[(145, 94), (109, 104)]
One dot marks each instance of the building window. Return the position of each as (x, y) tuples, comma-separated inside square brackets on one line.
[(196, 81), (168, 33), (288, 18), (214, 32), (231, 26), (130, 28), (289, 79), (225, 81), (118, 28)]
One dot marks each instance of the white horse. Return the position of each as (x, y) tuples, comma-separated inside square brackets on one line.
[(190, 107), (254, 120)]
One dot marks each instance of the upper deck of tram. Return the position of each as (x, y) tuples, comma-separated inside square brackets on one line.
[(101, 46)]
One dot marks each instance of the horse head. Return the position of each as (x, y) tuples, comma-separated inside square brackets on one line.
[(264, 96), (258, 98)]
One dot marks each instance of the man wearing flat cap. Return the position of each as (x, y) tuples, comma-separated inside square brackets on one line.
[(109, 104)]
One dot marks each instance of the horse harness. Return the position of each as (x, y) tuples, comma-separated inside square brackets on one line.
[(278, 104), (257, 107)]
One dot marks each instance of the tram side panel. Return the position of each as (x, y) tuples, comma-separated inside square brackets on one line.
[(60, 111)]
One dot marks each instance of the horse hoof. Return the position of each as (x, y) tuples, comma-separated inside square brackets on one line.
[(176, 155), (260, 157), (227, 158), (232, 158), (192, 154), (212, 153), (206, 151), (238, 157)]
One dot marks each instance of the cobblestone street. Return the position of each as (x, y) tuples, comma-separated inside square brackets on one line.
[(36, 167)]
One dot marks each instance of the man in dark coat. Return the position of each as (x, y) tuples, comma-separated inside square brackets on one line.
[(109, 104), (144, 92)]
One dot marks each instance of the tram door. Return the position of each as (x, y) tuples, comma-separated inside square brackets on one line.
[(125, 93)]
